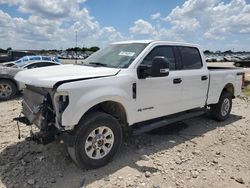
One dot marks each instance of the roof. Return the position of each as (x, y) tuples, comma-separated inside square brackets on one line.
[(157, 41), (133, 41)]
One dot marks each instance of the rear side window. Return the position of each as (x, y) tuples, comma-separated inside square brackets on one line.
[(165, 51), (190, 57)]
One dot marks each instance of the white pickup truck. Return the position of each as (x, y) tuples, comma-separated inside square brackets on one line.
[(128, 86)]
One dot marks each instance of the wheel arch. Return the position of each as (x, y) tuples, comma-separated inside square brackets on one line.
[(9, 79), (229, 88), (112, 107)]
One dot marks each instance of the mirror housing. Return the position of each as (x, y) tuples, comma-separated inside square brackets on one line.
[(160, 67), (143, 71)]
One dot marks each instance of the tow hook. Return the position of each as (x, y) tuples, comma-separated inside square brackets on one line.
[(22, 119)]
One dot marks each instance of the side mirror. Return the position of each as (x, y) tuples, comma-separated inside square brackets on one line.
[(143, 71), (160, 67)]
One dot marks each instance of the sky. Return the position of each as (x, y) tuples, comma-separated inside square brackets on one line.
[(52, 24)]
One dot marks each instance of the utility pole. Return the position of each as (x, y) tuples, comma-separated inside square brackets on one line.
[(76, 49)]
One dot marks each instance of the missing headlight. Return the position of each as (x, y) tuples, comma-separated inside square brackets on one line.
[(63, 103)]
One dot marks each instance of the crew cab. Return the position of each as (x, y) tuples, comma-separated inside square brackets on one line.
[(132, 86)]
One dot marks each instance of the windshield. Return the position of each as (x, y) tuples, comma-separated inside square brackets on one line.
[(115, 55)]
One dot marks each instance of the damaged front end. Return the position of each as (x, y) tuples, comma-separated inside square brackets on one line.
[(43, 107)]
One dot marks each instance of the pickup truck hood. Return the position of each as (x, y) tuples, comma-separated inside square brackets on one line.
[(48, 76)]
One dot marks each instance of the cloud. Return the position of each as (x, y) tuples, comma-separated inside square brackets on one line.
[(155, 16), (215, 19), (142, 27), (52, 24), (199, 21)]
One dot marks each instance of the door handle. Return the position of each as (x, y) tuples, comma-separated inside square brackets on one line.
[(204, 78), (177, 80)]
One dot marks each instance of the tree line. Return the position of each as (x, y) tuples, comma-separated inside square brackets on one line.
[(75, 49)]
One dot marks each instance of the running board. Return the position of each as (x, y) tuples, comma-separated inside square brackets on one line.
[(147, 126)]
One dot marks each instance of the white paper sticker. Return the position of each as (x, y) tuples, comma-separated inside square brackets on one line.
[(130, 54)]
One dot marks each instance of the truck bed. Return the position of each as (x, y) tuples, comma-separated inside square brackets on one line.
[(219, 78)]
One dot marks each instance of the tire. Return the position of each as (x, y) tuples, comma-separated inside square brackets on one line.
[(88, 155), (221, 110), (237, 65), (8, 90)]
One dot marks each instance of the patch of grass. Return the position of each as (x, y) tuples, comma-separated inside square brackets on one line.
[(246, 91)]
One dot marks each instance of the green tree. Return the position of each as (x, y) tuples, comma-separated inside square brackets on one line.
[(94, 48)]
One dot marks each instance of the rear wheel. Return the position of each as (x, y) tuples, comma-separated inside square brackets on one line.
[(237, 64), (97, 140), (222, 109), (7, 89)]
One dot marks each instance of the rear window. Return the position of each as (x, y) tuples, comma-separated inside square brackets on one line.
[(190, 57)]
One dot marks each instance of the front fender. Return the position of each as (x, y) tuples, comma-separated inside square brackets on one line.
[(78, 106)]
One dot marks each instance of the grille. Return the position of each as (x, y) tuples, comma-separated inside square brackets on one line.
[(32, 102)]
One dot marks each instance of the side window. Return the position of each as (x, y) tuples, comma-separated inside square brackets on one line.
[(165, 51), (191, 58), (35, 58), (46, 64), (25, 58), (37, 65), (46, 58), (31, 66)]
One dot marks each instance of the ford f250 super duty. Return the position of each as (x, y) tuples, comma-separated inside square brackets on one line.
[(132, 86)]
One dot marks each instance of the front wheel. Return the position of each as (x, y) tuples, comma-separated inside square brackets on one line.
[(222, 109), (97, 140)]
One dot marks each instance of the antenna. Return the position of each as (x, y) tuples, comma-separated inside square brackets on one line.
[(76, 49)]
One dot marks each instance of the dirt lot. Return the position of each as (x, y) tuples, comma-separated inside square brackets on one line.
[(198, 152)]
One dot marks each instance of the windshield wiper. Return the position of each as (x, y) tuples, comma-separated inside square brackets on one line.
[(98, 64)]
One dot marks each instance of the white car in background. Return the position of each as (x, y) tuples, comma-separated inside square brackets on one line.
[(9, 87)]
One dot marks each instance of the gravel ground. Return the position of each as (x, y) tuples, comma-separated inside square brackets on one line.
[(199, 152)]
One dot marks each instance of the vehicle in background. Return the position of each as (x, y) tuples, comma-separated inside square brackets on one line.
[(9, 87), (25, 59), (242, 63), (13, 55)]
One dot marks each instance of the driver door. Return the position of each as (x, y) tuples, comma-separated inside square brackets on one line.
[(159, 96)]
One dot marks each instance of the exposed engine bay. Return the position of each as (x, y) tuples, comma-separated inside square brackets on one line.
[(44, 108)]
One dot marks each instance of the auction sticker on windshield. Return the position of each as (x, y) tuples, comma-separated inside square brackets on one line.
[(130, 54)]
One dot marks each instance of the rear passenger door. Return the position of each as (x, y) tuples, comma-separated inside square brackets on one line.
[(194, 77)]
